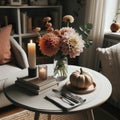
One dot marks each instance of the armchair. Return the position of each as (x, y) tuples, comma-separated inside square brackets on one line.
[(10, 71), (110, 66)]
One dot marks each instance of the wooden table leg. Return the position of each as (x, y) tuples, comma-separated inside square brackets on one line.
[(37, 116), (90, 114)]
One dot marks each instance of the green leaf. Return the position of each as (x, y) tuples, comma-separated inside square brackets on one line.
[(117, 13), (89, 26), (85, 31), (88, 43)]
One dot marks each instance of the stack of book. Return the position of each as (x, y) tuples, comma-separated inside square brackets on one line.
[(35, 85)]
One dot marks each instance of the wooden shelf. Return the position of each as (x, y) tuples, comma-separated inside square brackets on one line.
[(18, 16), (14, 15)]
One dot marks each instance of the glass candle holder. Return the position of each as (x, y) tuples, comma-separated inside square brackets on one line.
[(42, 72)]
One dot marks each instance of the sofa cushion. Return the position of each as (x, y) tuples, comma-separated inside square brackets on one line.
[(8, 71), (5, 53), (8, 75)]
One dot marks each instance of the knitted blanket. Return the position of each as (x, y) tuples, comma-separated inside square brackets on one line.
[(110, 63)]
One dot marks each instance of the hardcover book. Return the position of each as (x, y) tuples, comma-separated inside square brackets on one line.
[(36, 83), (32, 90)]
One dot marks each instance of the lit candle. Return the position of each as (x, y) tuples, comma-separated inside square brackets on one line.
[(32, 54), (42, 72)]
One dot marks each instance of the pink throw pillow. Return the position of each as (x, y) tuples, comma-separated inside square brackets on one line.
[(5, 53)]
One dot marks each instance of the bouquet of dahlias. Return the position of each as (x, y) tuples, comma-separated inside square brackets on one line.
[(62, 43)]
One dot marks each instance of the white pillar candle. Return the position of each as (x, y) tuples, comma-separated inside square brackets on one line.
[(32, 54)]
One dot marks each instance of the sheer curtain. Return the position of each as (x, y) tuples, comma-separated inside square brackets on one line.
[(96, 11)]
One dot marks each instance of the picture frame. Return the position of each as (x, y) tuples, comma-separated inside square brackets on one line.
[(15, 2)]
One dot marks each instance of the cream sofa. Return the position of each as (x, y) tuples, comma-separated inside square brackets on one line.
[(10, 71)]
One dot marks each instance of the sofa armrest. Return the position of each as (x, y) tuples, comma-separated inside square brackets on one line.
[(19, 54)]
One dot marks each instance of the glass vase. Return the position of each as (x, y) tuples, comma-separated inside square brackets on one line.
[(60, 68)]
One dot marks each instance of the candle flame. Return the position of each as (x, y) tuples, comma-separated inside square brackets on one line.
[(31, 41)]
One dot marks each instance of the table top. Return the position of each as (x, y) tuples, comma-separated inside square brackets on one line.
[(40, 104)]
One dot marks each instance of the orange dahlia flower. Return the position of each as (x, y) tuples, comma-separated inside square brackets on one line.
[(49, 44)]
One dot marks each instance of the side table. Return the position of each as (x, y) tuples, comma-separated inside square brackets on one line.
[(39, 104)]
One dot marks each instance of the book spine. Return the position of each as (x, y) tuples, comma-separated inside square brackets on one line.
[(24, 20), (33, 91), (29, 24), (27, 83), (30, 90), (36, 83), (6, 20), (30, 85)]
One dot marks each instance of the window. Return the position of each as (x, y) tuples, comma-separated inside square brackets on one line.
[(111, 7)]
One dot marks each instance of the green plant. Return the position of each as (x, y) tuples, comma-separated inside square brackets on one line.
[(85, 31), (116, 15)]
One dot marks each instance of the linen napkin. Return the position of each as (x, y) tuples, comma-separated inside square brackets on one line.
[(62, 102)]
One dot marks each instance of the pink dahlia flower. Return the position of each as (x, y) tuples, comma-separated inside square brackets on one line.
[(71, 44)]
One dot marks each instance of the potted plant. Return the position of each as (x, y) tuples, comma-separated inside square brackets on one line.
[(115, 26)]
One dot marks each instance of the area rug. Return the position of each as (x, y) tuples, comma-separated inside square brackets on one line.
[(22, 115), (28, 115)]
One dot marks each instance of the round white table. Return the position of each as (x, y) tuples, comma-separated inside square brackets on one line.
[(39, 104)]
